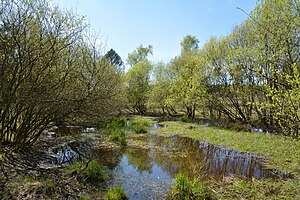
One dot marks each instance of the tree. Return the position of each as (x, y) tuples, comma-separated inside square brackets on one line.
[(160, 90), (49, 72), (138, 78), (138, 86), (188, 86), (115, 60), (139, 55), (189, 44)]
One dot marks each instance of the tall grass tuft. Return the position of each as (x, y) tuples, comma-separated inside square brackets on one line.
[(115, 193), (117, 123), (185, 189), (140, 126), (118, 136)]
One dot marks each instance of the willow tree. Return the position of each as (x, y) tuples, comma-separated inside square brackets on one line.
[(138, 79), (160, 89), (49, 73), (188, 86), (277, 33)]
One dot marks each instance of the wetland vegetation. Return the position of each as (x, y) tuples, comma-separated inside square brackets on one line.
[(219, 121)]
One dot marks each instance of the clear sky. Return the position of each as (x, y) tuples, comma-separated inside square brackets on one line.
[(125, 24)]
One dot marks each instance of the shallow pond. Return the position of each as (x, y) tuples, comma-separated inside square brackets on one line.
[(147, 166)]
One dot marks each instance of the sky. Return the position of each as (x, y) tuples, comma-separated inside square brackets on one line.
[(123, 25)]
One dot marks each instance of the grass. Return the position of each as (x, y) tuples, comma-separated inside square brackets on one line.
[(118, 136), (90, 172), (282, 153), (140, 125), (119, 127), (185, 189), (115, 193), (234, 188), (117, 123)]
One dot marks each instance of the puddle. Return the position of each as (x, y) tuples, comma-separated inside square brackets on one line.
[(67, 153)]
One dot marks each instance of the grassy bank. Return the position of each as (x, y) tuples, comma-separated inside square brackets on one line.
[(282, 153)]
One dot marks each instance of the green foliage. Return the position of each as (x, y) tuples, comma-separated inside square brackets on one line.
[(139, 55), (188, 82), (77, 166), (138, 86), (115, 193), (90, 172), (234, 188), (42, 82), (140, 126), (117, 123), (94, 171), (118, 136), (189, 45), (281, 152), (185, 189)]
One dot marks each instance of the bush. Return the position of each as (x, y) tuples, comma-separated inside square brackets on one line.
[(115, 193), (118, 136), (185, 189)]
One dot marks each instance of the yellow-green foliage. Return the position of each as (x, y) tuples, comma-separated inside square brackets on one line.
[(185, 189), (140, 125), (115, 193), (118, 136)]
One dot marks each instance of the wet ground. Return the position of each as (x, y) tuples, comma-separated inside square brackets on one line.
[(147, 166)]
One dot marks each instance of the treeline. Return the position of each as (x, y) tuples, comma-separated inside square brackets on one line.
[(250, 76), (52, 71)]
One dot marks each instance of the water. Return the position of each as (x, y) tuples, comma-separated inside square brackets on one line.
[(148, 165)]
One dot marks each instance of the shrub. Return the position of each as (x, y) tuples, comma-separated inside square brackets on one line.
[(115, 193), (185, 189)]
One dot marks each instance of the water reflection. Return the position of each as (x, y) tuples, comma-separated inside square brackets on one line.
[(146, 171), (147, 166)]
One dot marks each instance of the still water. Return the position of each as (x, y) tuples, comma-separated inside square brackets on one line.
[(149, 163)]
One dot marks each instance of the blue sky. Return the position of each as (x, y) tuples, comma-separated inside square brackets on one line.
[(125, 24)]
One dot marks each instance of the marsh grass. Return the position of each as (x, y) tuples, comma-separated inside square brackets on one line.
[(115, 193), (234, 188), (140, 125), (117, 123), (185, 189), (118, 136), (90, 172)]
